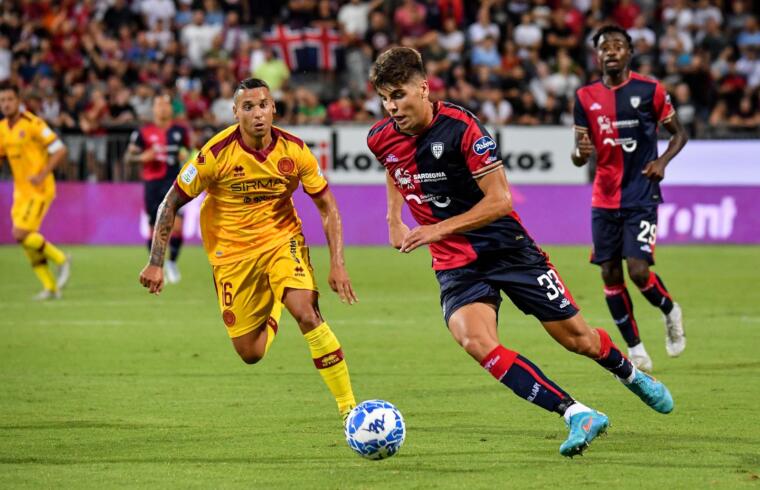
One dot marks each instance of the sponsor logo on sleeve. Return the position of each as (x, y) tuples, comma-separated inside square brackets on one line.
[(483, 145), (189, 174)]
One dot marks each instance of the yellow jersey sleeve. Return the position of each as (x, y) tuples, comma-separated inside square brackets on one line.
[(197, 173), (42, 133), (310, 173)]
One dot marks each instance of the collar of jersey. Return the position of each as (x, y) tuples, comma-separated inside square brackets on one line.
[(259, 155), (616, 87)]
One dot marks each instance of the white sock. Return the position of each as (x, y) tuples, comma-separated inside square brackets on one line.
[(576, 407), (638, 350)]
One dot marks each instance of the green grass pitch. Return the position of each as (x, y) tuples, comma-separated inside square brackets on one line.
[(111, 387)]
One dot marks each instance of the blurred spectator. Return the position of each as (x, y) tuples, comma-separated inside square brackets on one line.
[(409, 20), (214, 14), (342, 109), (452, 40), (310, 110), (495, 108), (221, 107), (155, 10), (527, 35), (625, 12), (737, 18), (379, 36), (685, 108), (563, 83), (120, 111), (484, 53), (353, 17), (274, 71), (711, 38), (746, 116), (198, 37), (6, 58), (117, 15), (483, 28), (749, 37), (680, 14), (235, 36), (92, 121)]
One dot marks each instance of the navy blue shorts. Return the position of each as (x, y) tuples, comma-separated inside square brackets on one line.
[(623, 233), (525, 275)]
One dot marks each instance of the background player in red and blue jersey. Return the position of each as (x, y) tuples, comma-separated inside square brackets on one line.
[(621, 113), (445, 165), (161, 147)]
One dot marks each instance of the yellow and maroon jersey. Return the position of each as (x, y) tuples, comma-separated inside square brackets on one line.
[(25, 145), (248, 208)]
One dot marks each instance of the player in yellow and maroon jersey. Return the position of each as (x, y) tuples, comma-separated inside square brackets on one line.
[(33, 151), (252, 235)]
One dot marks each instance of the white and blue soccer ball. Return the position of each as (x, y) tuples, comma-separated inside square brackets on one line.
[(375, 429)]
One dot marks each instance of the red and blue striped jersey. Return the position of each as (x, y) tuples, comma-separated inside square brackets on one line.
[(166, 143), (437, 170), (622, 124)]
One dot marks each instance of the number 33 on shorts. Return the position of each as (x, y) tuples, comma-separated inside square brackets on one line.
[(552, 283)]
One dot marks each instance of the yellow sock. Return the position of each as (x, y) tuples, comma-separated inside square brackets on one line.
[(36, 241), (273, 324), (41, 269), (328, 358)]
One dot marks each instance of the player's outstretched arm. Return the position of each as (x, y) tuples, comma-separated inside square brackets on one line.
[(496, 202), (397, 230), (338, 278), (655, 169), (152, 275), (583, 147)]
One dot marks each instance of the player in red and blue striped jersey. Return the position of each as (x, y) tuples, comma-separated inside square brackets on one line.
[(617, 117), (447, 167)]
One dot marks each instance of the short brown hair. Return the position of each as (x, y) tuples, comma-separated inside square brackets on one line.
[(396, 67), (8, 85)]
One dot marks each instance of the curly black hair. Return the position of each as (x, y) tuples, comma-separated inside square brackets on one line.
[(612, 28)]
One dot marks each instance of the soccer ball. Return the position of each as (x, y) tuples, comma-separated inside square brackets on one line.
[(375, 429)]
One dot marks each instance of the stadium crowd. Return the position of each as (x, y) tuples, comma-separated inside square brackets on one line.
[(91, 67)]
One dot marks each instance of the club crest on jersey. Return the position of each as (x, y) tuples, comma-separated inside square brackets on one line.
[(635, 101), (483, 145), (286, 166), (437, 149)]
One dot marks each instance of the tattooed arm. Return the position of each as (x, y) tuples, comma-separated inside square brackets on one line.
[(152, 276)]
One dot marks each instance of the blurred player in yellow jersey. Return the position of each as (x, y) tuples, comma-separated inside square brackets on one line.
[(252, 235), (33, 151)]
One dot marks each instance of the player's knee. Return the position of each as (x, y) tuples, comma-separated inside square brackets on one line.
[(612, 274), (251, 357), (308, 320), (639, 274), (474, 345), (19, 235)]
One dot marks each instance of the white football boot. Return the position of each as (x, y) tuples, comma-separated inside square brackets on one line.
[(675, 338)]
